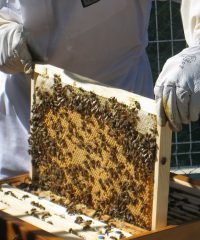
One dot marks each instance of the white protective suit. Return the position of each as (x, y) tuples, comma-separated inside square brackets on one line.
[(105, 41)]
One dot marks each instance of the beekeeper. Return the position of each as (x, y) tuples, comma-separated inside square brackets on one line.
[(177, 90), (105, 41)]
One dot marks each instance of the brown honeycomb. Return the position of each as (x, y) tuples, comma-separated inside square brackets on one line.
[(88, 149)]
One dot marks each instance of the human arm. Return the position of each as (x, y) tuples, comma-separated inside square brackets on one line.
[(177, 90), (14, 54)]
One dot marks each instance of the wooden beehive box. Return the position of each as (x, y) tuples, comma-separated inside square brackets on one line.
[(99, 146), (15, 223)]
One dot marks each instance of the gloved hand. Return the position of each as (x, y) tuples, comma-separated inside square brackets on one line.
[(177, 90), (14, 54)]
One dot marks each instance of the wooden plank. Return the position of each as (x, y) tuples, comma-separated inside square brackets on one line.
[(15, 180), (184, 203), (127, 227), (182, 232), (161, 178), (185, 180), (180, 195), (58, 221), (12, 228), (186, 189), (146, 104), (9, 228)]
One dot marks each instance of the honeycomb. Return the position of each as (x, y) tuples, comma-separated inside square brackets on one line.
[(91, 150)]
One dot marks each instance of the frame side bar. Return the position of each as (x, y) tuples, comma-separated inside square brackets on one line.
[(161, 178)]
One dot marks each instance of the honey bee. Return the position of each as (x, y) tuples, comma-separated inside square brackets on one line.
[(25, 196), (78, 220)]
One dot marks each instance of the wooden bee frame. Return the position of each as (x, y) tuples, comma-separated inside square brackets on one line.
[(163, 154)]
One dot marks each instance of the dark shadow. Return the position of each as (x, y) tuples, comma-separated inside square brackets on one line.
[(3, 230), (195, 176), (33, 235), (17, 231)]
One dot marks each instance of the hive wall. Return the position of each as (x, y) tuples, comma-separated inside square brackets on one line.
[(93, 150)]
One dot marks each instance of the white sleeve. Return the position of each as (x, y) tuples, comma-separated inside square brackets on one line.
[(190, 11), (10, 18), (10, 10)]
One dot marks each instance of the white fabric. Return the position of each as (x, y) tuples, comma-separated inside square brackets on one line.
[(14, 56), (105, 41), (177, 90), (190, 11), (14, 157)]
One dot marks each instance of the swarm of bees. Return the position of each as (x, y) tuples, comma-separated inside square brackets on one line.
[(87, 148)]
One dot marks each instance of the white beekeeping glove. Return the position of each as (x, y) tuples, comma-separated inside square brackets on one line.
[(14, 54), (177, 90)]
